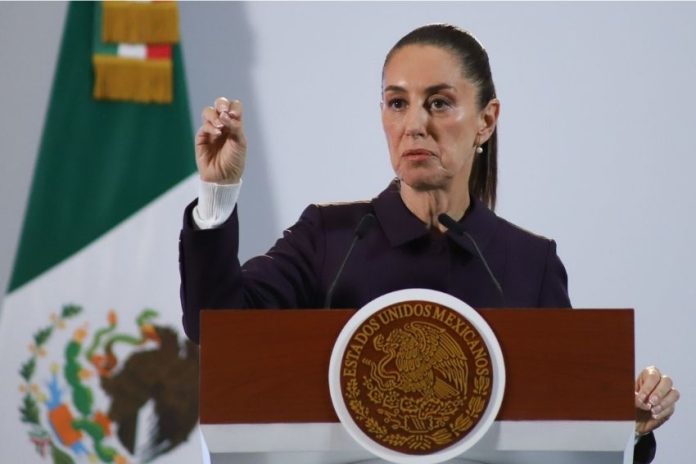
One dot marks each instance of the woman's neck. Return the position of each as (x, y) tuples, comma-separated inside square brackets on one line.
[(427, 205)]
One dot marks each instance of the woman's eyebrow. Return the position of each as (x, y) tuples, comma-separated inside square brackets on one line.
[(438, 87), (394, 88), (432, 89)]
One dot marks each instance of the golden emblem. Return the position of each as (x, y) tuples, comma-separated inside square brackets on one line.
[(416, 377)]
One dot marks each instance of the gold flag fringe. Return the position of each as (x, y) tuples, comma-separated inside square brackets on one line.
[(129, 79), (139, 22)]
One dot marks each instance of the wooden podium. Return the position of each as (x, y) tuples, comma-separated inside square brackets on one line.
[(264, 395)]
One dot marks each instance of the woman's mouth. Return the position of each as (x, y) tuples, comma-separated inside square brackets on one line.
[(417, 155)]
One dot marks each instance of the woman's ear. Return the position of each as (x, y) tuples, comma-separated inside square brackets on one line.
[(488, 118)]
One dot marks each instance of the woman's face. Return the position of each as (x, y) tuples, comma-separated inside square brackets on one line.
[(431, 118)]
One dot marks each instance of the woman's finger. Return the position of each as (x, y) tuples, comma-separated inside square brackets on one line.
[(648, 379), (666, 404)]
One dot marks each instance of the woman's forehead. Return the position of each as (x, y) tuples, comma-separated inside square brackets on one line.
[(422, 67)]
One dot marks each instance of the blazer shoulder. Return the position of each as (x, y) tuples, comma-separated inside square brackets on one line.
[(523, 241), (342, 215), (532, 260), (520, 233)]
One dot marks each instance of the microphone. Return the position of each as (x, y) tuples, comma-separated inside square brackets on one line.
[(454, 226), (363, 226)]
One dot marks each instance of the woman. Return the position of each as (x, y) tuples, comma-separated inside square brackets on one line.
[(439, 112)]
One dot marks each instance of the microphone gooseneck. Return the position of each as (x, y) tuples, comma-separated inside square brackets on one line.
[(364, 225), (455, 227)]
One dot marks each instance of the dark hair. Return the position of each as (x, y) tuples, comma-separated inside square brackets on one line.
[(476, 68)]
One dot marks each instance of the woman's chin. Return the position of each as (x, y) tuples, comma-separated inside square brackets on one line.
[(423, 181)]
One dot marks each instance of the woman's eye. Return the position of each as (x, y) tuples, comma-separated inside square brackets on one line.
[(397, 104), (438, 104)]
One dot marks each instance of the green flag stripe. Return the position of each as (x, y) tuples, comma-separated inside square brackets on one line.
[(99, 162), (99, 45)]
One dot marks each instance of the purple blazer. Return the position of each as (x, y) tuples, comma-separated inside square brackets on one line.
[(397, 252)]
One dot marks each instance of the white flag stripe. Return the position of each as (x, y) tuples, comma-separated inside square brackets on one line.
[(119, 271), (137, 51)]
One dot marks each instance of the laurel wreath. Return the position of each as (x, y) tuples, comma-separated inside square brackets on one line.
[(476, 405), (420, 442), (29, 410)]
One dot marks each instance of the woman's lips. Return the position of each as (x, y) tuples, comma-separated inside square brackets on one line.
[(417, 155)]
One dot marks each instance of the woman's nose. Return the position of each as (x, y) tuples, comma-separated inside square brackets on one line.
[(416, 121)]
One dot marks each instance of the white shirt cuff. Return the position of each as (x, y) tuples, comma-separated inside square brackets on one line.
[(216, 203)]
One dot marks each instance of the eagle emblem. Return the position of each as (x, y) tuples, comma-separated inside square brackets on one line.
[(108, 395), (413, 383), (421, 358)]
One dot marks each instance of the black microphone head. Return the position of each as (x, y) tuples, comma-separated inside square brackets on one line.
[(450, 223), (364, 225)]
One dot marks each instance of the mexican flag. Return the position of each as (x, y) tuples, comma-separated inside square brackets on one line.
[(94, 363)]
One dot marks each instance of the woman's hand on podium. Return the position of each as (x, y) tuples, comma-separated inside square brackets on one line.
[(655, 400), (220, 143)]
